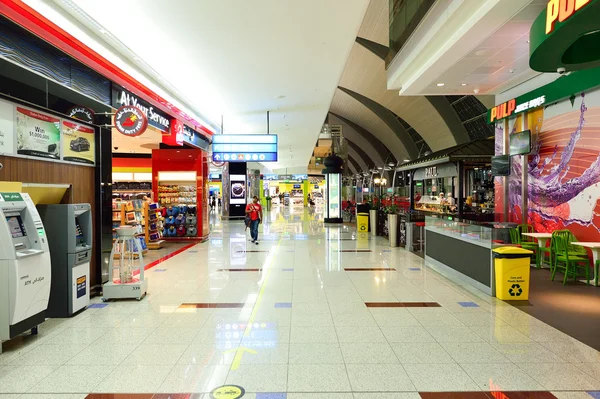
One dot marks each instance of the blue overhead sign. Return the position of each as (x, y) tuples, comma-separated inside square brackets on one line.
[(244, 147)]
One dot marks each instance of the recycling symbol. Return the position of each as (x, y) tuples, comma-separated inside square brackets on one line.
[(363, 228), (515, 290)]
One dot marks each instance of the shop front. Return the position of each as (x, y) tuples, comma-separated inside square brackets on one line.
[(456, 182), (286, 190)]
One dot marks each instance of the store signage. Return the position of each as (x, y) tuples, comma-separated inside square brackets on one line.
[(431, 171), (561, 10), (177, 131), (156, 118), (82, 113), (130, 121), (565, 36), (244, 147), (38, 134), (447, 169), (195, 139), (563, 87)]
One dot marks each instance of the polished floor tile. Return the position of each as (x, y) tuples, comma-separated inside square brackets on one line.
[(304, 318)]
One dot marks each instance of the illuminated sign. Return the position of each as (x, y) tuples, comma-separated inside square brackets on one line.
[(511, 107), (156, 118), (244, 147), (561, 10), (130, 121), (82, 113)]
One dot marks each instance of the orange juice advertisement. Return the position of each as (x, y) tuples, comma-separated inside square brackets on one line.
[(78, 143)]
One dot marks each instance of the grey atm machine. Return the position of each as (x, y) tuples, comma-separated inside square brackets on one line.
[(25, 275), (69, 228)]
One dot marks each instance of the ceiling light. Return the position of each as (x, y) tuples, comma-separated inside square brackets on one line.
[(440, 84), (406, 160), (103, 31), (464, 84)]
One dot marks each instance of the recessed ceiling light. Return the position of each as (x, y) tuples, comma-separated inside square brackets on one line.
[(464, 84), (103, 31), (440, 84)]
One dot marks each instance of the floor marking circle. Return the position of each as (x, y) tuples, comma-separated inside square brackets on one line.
[(227, 392)]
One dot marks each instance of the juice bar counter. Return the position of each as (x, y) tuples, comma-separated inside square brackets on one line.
[(461, 250)]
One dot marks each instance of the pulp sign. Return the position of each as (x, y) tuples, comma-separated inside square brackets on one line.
[(561, 10), (510, 107)]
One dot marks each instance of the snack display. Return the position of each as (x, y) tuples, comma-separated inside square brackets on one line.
[(176, 194)]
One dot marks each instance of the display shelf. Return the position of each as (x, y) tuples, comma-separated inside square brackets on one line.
[(176, 194), (152, 229), (131, 214)]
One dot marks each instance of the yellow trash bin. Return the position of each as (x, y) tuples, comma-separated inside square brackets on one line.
[(362, 223), (512, 271)]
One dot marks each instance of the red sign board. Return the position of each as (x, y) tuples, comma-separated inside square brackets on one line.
[(130, 121)]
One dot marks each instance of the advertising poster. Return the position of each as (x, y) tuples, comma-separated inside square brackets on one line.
[(38, 134), (333, 189), (238, 189), (6, 128), (78, 143)]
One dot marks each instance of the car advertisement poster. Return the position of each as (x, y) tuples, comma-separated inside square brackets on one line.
[(78, 143), (38, 134), (6, 128)]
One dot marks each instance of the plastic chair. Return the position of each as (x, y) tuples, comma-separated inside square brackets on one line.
[(514, 237), (571, 261), (529, 242)]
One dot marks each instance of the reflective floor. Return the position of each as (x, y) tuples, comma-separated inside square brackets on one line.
[(311, 312)]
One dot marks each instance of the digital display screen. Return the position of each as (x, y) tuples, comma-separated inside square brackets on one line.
[(238, 189), (333, 192), (244, 147), (501, 165), (520, 143), (16, 227)]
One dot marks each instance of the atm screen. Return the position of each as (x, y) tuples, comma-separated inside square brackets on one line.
[(15, 225)]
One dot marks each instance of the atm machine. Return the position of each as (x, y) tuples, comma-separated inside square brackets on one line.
[(25, 274), (69, 229)]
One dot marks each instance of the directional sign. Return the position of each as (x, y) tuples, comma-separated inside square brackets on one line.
[(244, 147)]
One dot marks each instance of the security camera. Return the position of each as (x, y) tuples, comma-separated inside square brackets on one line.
[(115, 148), (1, 166), (561, 70)]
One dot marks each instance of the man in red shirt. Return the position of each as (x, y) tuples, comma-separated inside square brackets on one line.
[(254, 210)]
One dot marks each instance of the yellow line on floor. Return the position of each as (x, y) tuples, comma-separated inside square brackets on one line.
[(241, 349)]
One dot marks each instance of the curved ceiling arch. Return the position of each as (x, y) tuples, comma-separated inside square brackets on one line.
[(360, 163), (389, 118), (361, 153), (352, 166), (365, 74), (351, 109), (365, 140)]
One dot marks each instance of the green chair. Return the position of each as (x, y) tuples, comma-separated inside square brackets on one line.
[(529, 242), (514, 236), (566, 260)]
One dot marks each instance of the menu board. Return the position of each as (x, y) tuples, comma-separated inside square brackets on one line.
[(78, 143), (38, 134), (7, 124)]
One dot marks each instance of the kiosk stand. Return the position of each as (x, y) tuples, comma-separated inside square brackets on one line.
[(130, 282), (24, 267), (69, 229)]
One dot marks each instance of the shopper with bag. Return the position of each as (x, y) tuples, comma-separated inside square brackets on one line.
[(254, 218)]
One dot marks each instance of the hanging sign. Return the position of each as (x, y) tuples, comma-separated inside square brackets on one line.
[(194, 139), (156, 118), (78, 143), (38, 134), (82, 113), (130, 121)]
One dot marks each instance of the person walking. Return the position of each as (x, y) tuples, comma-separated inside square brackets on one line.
[(254, 210)]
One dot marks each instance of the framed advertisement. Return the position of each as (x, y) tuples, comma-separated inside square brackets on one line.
[(333, 193), (237, 194), (7, 126), (38, 134), (78, 142)]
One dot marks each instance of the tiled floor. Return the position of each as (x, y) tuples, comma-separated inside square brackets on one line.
[(292, 323)]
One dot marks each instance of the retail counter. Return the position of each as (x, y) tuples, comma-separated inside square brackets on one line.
[(461, 250)]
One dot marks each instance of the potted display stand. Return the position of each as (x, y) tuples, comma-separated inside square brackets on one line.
[(393, 218)]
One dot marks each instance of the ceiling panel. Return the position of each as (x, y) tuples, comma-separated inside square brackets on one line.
[(375, 26)]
